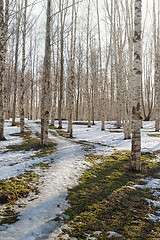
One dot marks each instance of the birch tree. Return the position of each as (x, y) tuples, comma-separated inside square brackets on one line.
[(87, 68), (101, 74), (18, 20), (23, 68), (56, 76), (6, 23), (117, 68), (147, 88), (72, 70), (128, 75), (94, 75), (61, 87), (156, 68), (32, 66), (111, 17), (45, 100), (136, 85), (79, 76), (2, 68)]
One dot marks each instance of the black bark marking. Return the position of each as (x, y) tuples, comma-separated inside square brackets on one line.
[(133, 110), (138, 106)]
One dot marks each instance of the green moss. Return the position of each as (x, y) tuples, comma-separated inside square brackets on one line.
[(42, 165), (94, 158), (153, 135), (29, 143), (17, 187), (23, 135), (13, 189), (80, 123), (53, 133), (8, 216), (17, 124), (62, 133), (38, 122), (59, 131), (115, 131), (149, 164), (38, 134), (99, 181), (47, 150), (12, 164), (103, 202), (52, 127)]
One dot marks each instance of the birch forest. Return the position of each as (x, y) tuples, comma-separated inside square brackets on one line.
[(79, 119), (81, 65)]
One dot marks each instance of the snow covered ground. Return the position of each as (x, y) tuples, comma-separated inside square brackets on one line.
[(154, 185), (114, 138), (37, 217)]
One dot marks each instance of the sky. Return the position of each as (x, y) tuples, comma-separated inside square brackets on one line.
[(39, 10)]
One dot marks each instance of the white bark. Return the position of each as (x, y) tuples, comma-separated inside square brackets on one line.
[(136, 85), (156, 69), (128, 76), (56, 78), (5, 55), (45, 100), (18, 19), (72, 70), (23, 69), (2, 69), (87, 69), (61, 87)]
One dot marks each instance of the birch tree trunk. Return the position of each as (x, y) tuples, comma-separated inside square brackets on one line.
[(71, 71), (45, 100), (158, 57), (127, 99), (36, 83), (94, 71), (112, 112), (130, 39), (156, 69), (5, 53), (18, 19), (56, 78), (62, 22), (87, 69), (2, 68), (118, 82), (23, 69), (136, 86), (61, 66), (157, 98), (32, 66), (78, 82), (9, 83), (101, 75)]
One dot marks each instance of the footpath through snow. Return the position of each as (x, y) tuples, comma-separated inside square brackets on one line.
[(37, 218)]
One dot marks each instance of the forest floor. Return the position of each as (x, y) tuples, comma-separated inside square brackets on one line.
[(78, 188)]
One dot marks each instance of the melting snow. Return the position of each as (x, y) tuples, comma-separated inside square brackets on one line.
[(154, 218), (113, 234), (150, 183), (37, 217)]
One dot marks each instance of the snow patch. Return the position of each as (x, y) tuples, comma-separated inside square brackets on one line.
[(154, 218), (113, 234), (37, 217)]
